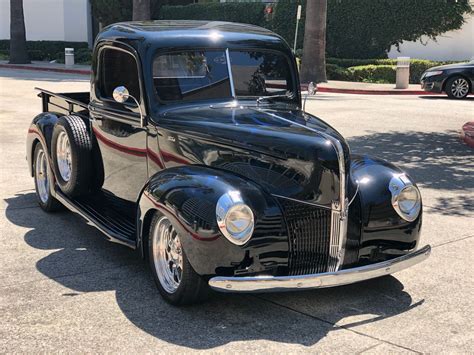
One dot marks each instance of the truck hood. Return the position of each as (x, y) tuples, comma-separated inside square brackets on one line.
[(287, 152)]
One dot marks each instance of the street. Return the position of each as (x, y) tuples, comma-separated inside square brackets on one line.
[(63, 286)]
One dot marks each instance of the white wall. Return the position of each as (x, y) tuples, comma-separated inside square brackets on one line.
[(53, 20), (453, 45)]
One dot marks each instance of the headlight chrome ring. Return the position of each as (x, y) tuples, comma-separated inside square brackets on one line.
[(406, 198), (235, 219)]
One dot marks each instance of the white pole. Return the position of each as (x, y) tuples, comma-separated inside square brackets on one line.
[(298, 18)]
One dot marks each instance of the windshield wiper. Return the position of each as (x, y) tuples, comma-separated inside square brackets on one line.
[(272, 97)]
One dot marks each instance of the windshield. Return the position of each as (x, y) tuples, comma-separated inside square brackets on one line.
[(204, 75)]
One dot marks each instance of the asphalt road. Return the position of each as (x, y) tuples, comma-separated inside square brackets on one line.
[(64, 288)]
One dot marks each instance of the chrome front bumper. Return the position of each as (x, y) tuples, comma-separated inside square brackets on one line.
[(329, 279)]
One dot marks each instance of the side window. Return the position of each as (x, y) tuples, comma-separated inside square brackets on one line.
[(117, 68)]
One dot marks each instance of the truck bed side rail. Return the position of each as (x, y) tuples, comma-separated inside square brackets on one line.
[(67, 103)]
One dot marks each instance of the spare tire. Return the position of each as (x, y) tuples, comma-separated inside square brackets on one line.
[(71, 150)]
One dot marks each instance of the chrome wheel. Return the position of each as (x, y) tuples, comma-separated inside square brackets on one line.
[(63, 156), (460, 88), (167, 255), (41, 176)]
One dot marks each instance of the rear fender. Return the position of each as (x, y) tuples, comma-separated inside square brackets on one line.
[(40, 130)]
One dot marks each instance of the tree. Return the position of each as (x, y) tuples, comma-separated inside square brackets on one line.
[(141, 10), (313, 63), (18, 52)]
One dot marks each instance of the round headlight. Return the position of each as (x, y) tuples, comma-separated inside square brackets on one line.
[(406, 198), (234, 218)]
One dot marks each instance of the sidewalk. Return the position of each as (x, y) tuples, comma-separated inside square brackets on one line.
[(46, 66), (333, 86), (349, 87)]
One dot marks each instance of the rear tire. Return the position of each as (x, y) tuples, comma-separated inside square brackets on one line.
[(43, 180), (457, 88), (71, 152), (174, 276)]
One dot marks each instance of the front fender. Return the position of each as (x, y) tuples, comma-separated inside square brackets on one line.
[(187, 195), (383, 232)]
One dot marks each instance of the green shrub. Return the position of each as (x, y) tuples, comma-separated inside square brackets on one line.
[(368, 28), (4, 55), (373, 73), (45, 50), (81, 56), (335, 72), (252, 13), (417, 66)]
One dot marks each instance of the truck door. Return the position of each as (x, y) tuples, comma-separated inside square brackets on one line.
[(116, 126)]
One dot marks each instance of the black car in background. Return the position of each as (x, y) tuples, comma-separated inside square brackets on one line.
[(456, 80)]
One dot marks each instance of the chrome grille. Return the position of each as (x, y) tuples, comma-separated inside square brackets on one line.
[(309, 230)]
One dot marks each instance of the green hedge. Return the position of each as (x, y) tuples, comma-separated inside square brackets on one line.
[(252, 13), (44, 50), (338, 69), (373, 73)]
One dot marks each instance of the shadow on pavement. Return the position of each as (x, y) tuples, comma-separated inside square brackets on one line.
[(83, 261), (437, 160), (444, 97)]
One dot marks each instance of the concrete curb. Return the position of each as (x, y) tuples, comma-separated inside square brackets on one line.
[(55, 70), (375, 92), (467, 133), (303, 86)]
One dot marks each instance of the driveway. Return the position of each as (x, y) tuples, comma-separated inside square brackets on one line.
[(63, 287)]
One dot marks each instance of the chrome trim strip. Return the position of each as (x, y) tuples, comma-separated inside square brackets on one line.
[(229, 69), (334, 240), (304, 202), (329, 279)]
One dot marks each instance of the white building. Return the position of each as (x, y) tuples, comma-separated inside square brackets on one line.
[(51, 20), (453, 45)]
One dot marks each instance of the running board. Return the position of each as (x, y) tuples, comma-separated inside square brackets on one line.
[(117, 228)]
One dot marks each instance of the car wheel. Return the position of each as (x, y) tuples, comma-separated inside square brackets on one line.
[(457, 87), (42, 176), (174, 276), (71, 150)]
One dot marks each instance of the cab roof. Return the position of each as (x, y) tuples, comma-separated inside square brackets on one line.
[(191, 34)]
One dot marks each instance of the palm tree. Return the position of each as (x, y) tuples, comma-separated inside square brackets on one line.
[(141, 10), (313, 64), (18, 52)]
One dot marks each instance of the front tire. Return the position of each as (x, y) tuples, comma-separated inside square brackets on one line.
[(174, 276), (457, 88), (43, 181)]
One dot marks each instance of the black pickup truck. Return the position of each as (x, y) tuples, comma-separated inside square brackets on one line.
[(193, 148)]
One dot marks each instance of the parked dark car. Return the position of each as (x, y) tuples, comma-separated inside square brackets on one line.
[(192, 147), (456, 80)]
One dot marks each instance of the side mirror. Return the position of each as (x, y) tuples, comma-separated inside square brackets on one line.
[(312, 89), (121, 94)]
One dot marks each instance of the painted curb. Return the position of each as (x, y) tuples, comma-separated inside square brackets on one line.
[(376, 92), (54, 70), (467, 133)]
